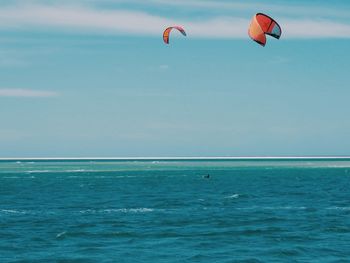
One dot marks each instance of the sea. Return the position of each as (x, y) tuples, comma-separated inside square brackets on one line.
[(175, 210)]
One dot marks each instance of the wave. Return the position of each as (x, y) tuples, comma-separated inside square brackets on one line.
[(118, 210), (234, 196), (343, 208), (37, 171), (62, 234), (74, 171), (10, 211), (87, 211), (273, 208), (100, 176), (64, 171)]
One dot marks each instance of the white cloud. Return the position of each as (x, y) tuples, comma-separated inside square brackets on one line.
[(290, 9), (82, 18), (315, 29), (295, 8), (164, 67), (141, 23), (116, 21), (11, 59), (27, 93), (319, 10)]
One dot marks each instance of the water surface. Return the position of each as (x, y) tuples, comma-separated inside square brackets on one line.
[(165, 211)]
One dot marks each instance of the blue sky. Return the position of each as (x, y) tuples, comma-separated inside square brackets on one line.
[(93, 78)]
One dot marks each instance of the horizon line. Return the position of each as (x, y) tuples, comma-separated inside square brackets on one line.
[(177, 158)]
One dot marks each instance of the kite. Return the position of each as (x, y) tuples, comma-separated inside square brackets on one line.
[(261, 26), (167, 31)]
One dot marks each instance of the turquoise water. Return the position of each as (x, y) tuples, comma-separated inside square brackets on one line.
[(165, 211)]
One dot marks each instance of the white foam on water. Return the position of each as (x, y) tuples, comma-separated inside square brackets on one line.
[(128, 210), (38, 171), (28, 177), (343, 208), (61, 234), (10, 211), (285, 208), (140, 210), (234, 196), (272, 208), (118, 210)]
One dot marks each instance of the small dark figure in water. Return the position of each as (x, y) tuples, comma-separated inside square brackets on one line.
[(206, 176)]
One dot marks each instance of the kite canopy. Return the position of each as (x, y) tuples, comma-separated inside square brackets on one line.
[(167, 31), (261, 26)]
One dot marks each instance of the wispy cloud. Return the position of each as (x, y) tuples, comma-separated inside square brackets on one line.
[(10, 59), (140, 23), (116, 21), (304, 28), (290, 9), (81, 18), (295, 9), (164, 67), (27, 93)]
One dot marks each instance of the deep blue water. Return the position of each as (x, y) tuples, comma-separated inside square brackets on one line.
[(165, 211)]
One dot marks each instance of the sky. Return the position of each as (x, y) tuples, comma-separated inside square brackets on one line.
[(93, 78)]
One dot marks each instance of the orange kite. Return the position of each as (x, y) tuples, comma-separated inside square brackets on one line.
[(167, 31), (263, 25)]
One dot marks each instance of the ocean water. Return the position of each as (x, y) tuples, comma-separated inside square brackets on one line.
[(167, 211)]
